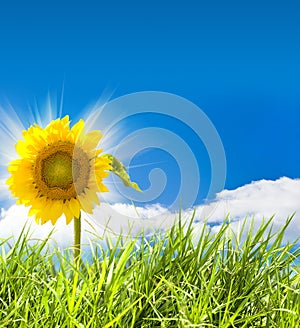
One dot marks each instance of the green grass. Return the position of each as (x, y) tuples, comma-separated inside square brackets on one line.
[(171, 280)]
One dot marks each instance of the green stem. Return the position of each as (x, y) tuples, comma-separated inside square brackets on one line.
[(77, 236)]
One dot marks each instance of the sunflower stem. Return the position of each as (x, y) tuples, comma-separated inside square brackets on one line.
[(77, 237)]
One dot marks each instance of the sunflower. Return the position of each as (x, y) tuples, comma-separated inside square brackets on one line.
[(59, 171)]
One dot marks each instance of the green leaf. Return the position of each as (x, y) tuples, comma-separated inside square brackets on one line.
[(119, 169)]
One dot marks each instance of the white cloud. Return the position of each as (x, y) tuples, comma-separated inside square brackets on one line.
[(260, 199)]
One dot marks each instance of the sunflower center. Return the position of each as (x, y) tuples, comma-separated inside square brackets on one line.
[(61, 171), (57, 170)]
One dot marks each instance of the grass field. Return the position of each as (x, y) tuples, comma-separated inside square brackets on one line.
[(176, 279)]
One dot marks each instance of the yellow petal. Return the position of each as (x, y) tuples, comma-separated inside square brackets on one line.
[(91, 140), (78, 130), (68, 214), (74, 207), (86, 204)]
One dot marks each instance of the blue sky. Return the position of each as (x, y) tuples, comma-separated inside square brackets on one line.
[(237, 61)]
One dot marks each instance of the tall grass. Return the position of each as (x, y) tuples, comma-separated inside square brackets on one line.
[(177, 279)]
